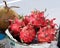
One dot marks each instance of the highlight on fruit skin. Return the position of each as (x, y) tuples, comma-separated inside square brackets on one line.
[(6, 13)]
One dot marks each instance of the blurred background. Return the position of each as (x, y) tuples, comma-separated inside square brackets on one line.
[(26, 6)]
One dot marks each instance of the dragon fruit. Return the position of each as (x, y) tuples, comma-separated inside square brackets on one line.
[(27, 34), (46, 34), (19, 22), (15, 26), (15, 29), (51, 23), (36, 18)]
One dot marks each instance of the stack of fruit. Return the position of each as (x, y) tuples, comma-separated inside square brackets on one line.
[(33, 26)]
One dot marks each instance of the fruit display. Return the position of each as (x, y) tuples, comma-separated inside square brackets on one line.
[(34, 26), (6, 13)]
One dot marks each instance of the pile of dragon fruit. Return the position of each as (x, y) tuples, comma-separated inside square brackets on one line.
[(34, 26)]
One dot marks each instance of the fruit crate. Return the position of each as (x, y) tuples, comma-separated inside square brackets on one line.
[(15, 44)]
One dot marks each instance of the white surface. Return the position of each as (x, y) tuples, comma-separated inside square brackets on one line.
[(9, 35), (34, 46), (5, 43), (45, 45)]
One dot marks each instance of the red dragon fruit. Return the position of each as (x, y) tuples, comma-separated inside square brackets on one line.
[(50, 22), (36, 18), (37, 14), (46, 34), (27, 34), (19, 22), (16, 26)]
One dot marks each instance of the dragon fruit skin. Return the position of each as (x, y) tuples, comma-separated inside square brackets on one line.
[(15, 26), (46, 34), (36, 18), (27, 34)]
